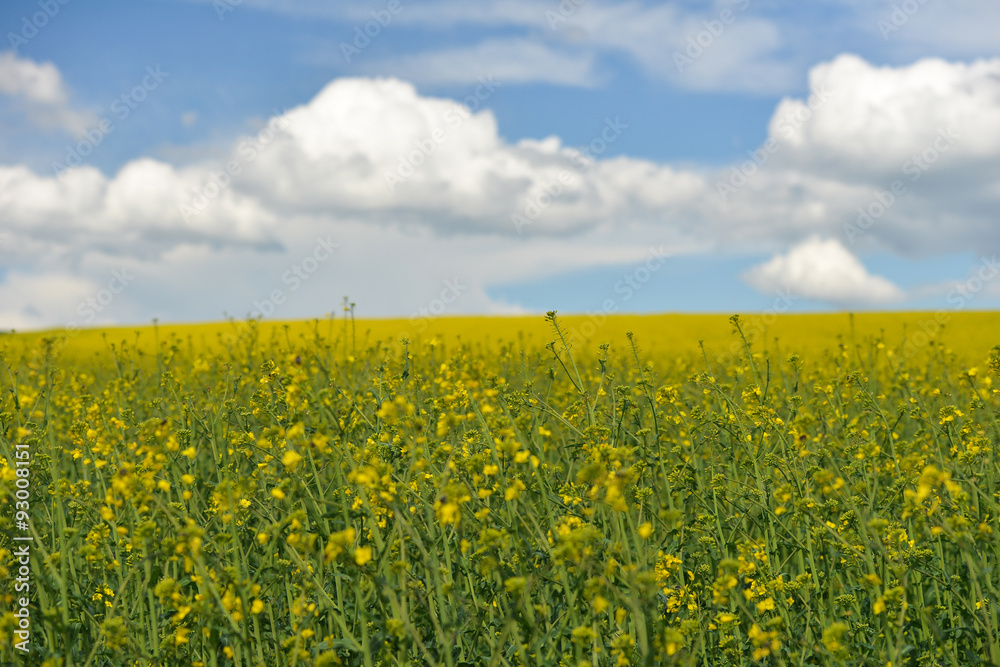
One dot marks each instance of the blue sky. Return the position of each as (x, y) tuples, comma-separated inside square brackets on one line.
[(327, 134)]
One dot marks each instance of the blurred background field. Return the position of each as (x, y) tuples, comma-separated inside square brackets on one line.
[(968, 335)]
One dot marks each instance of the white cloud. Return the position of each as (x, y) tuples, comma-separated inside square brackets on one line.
[(741, 54), (510, 61), (956, 30), (352, 149), (765, 49), (38, 88), (723, 47), (451, 13), (932, 128), (137, 211), (36, 301), (876, 118), (35, 82), (823, 270)]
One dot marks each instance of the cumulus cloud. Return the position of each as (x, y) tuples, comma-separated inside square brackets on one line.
[(871, 120), (39, 91), (376, 148), (823, 270), (137, 211), (931, 130), (35, 82)]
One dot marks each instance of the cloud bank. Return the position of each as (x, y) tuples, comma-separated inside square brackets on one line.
[(418, 190)]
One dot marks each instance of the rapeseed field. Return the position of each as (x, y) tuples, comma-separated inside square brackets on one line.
[(662, 490)]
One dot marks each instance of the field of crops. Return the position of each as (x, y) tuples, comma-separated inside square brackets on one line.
[(807, 490)]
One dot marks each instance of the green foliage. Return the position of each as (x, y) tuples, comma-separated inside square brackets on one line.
[(301, 502)]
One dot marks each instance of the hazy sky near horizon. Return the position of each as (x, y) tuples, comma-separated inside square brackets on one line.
[(194, 159)]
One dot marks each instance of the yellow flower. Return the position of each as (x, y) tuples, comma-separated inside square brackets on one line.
[(277, 493), (362, 555), (765, 605), (449, 513), (256, 607), (514, 490), (189, 452), (645, 530), (765, 642), (291, 459)]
